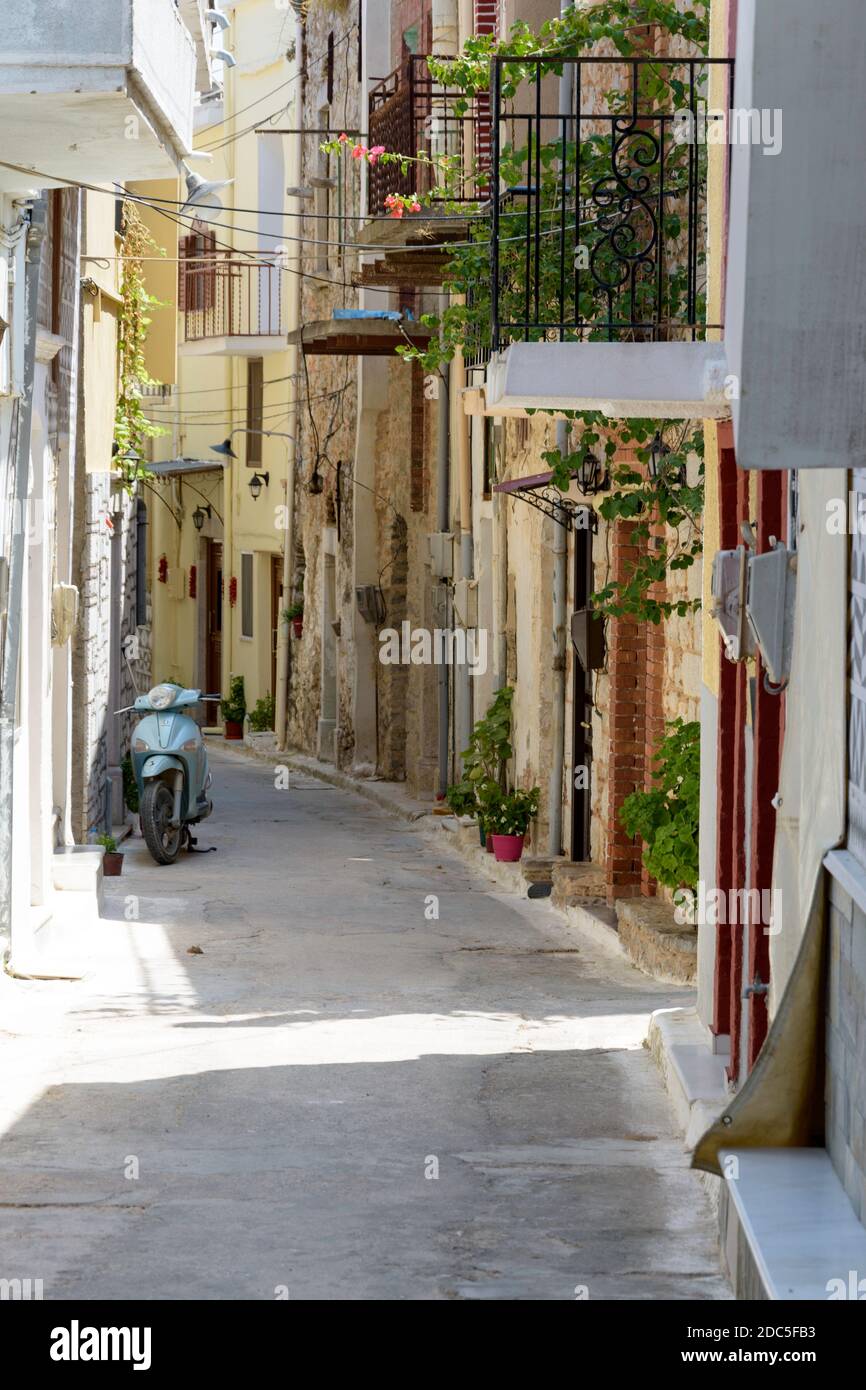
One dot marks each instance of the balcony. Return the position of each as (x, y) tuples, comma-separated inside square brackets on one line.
[(599, 238), (230, 304), (410, 114), (96, 92)]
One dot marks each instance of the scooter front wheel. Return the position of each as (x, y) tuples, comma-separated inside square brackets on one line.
[(161, 837)]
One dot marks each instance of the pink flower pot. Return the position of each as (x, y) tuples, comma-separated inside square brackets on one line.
[(508, 848)]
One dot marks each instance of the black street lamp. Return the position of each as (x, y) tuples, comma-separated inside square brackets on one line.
[(256, 484), (591, 475), (658, 468), (198, 515)]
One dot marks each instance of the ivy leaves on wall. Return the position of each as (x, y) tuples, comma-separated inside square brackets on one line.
[(131, 425)]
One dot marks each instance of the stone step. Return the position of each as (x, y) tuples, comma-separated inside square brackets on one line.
[(656, 942), (575, 884)]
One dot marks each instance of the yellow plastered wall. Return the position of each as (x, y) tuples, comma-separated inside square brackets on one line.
[(100, 307), (211, 390), (160, 278)]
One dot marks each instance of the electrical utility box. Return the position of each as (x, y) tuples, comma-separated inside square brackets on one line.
[(442, 554)]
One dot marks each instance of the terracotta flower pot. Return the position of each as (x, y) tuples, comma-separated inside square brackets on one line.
[(488, 843), (112, 864), (234, 729), (508, 848), (298, 625)]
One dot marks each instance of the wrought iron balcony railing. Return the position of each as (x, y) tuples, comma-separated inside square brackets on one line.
[(222, 295), (410, 113), (599, 229)]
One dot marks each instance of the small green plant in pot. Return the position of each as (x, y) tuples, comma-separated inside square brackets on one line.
[(294, 614), (234, 709), (262, 714), (112, 862), (486, 759), (509, 820)]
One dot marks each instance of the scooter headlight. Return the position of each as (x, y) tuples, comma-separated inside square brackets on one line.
[(139, 746), (161, 696)]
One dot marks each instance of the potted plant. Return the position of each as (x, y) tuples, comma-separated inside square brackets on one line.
[(112, 862), (509, 822), (262, 714), (234, 709), (486, 759), (460, 798), (294, 614)]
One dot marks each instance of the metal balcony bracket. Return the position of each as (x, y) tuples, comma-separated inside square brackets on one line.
[(574, 516)]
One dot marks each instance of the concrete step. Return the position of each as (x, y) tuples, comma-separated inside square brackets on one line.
[(78, 869)]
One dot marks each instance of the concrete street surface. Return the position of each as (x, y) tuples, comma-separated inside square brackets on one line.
[(285, 1077)]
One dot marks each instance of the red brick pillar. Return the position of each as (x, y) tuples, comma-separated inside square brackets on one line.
[(627, 641), (654, 718)]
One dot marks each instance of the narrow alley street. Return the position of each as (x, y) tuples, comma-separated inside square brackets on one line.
[(285, 1080)]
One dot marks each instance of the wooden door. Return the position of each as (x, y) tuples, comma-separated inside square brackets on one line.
[(214, 630), (581, 743), (276, 609)]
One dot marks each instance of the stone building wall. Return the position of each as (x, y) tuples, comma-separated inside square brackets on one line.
[(328, 390), (104, 519), (91, 653)]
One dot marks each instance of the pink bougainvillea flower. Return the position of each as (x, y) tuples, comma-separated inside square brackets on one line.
[(374, 152), (358, 151), (414, 206), (343, 138)]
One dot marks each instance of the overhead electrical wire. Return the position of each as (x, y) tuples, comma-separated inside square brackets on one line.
[(190, 219)]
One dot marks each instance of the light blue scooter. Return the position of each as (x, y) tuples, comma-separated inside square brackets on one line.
[(170, 765)]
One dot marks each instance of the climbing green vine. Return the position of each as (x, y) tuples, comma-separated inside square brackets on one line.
[(648, 502), (131, 425), (667, 817)]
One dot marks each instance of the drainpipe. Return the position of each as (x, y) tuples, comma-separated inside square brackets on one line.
[(460, 425), (17, 558), (560, 582), (500, 585), (557, 730), (294, 319), (443, 513), (446, 37)]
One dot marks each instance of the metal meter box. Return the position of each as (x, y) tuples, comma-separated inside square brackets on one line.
[(442, 554), (770, 596), (729, 602)]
